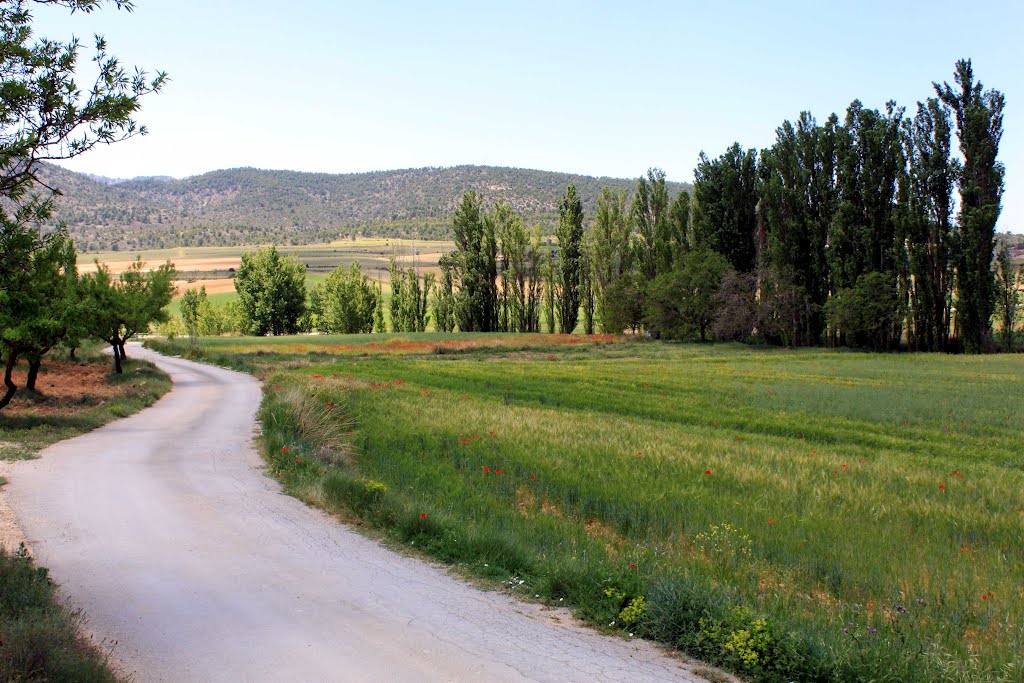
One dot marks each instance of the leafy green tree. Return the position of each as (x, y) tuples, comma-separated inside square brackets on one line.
[(37, 311), (520, 271), (649, 213), (474, 264), (928, 226), (346, 302), (979, 128), (1008, 297), (677, 241), (271, 292), (189, 307), (211, 319), (587, 288), (870, 164), (444, 301), (105, 304), (145, 296), (611, 251), (866, 314), (45, 114), (685, 301), (798, 202), (410, 296), (623, 304), (725, 211), (570, 256)]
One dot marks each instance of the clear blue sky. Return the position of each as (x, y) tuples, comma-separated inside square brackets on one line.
[(598, 88)]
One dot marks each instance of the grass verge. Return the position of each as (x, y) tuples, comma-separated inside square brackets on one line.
[(39, 640), (76, 398), (810, 515)]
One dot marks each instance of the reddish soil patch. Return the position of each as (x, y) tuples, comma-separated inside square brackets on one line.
[(62, 386)]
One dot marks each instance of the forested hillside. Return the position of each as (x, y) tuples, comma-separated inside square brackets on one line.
[(247, 205)]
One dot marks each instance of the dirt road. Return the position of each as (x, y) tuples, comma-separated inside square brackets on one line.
[(164, 529)]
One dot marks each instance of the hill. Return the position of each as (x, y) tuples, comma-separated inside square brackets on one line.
[(249, 206)]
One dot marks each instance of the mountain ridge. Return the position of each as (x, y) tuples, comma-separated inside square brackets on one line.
[(248, 205)]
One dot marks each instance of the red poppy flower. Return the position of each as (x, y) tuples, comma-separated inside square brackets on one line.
[(771, 521), (284, 449), (632, 566), (532, 477), (942, 487), (487, 469), (297, 460), (423, 515), (499, 471), (814, 452), (490, 433), (739, 438), (844, 465), (964, 548), (707, 471)]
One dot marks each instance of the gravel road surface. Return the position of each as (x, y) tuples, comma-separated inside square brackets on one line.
[(164, 529)]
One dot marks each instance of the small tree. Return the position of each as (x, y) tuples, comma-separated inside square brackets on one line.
[(189, 306), (145, 295), (271, 292), (443, 304), (866, 313), (37, 312), (686, 300), (346, 302), (104, 304)]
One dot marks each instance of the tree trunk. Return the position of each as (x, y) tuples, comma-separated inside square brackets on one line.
[(120, 349), (33, 372), (117, 355), (71, 352), (8, 382)]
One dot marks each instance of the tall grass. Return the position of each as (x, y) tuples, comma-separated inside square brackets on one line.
[(808, 515)]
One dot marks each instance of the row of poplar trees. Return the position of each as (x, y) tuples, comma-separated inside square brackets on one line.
[(840, 233)]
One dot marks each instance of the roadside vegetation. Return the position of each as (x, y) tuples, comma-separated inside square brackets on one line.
[(39, 639), (791, 515)]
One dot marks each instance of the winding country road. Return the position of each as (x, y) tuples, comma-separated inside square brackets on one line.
[(163, 528)]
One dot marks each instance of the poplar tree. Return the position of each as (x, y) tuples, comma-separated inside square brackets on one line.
[(570, 258), (979, 128)]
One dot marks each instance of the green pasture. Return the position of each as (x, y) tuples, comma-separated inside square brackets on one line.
[(793, 515)]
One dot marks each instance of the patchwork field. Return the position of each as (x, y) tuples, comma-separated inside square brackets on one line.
[(793, 515), (213, 263)]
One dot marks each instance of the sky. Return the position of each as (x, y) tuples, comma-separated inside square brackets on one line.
[(596, 88)]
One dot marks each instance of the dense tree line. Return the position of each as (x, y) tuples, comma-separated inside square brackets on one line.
[(47, 115), (841, 233)]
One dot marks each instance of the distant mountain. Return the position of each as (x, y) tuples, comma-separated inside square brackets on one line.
[(248, 205)]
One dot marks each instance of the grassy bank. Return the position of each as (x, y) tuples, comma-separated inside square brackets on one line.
[(39, 640), (808, 515), (73, 398)]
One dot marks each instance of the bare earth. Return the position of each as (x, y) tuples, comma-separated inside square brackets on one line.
[(164, 529)]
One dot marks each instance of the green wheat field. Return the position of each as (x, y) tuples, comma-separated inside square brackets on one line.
[(791, 515)]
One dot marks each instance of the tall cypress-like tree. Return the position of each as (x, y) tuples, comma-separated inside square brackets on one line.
[(475, 263), (649, 212), (979, 128), (570, 258), (725, 215), (928, 232)]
